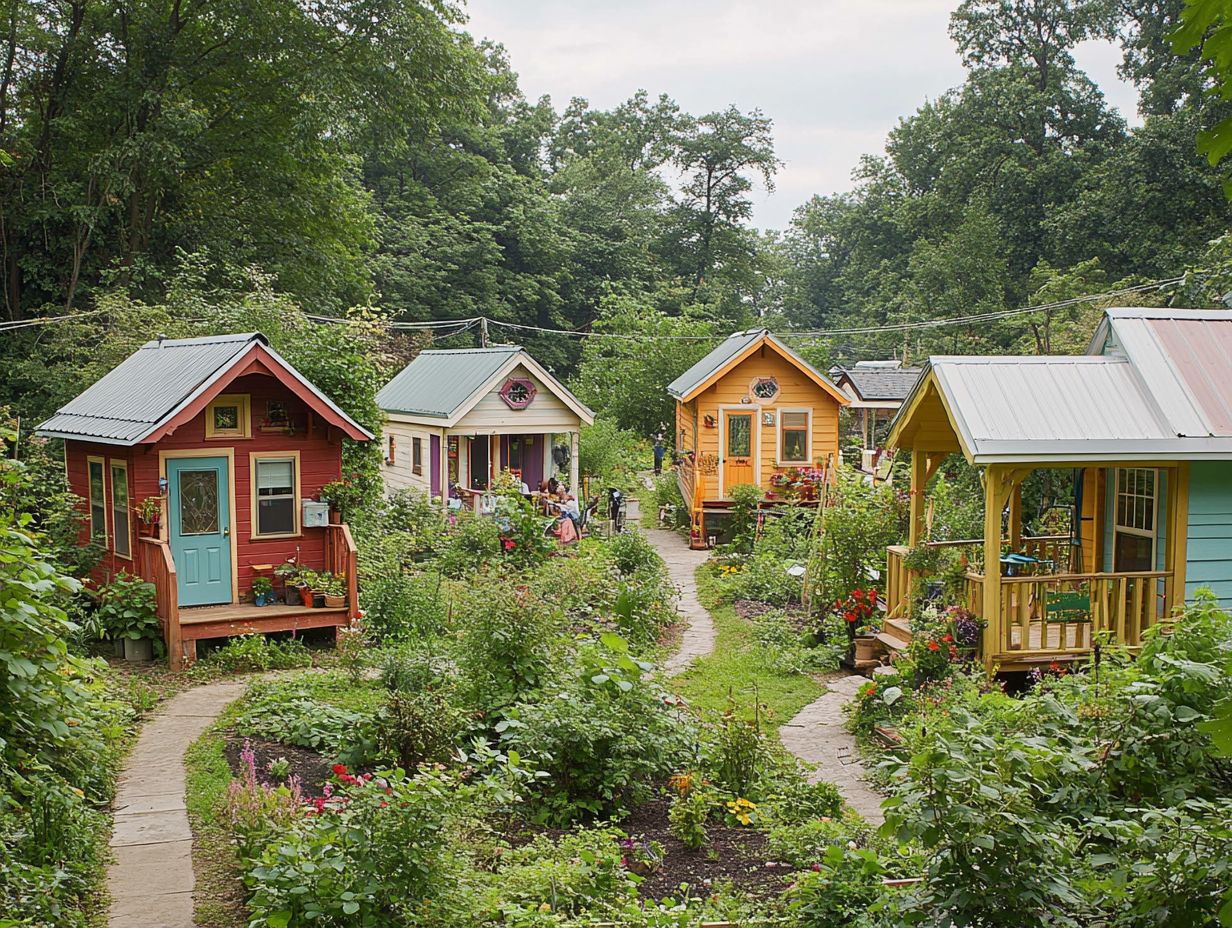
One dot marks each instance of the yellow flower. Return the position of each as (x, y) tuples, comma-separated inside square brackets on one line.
[(77, 792), (545, 907)]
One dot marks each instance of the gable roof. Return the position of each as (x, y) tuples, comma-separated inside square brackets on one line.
[(1155, 387), (165, 380), (445, 384), (734, 349), (872, 384)]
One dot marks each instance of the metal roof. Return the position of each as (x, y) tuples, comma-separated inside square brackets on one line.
[(726, 351), (154, 383), (444, 384), (1155, 385), (892, 384)]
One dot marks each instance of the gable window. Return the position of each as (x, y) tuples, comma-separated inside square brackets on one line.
[(1137, 506), (275, 495), (517, 392), (794, 436), (417, 455), (98, 500), (120, 526), (228, 417)]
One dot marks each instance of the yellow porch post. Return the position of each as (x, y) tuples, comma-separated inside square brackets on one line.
[(919, 468), (1015, 527), (997, 488)]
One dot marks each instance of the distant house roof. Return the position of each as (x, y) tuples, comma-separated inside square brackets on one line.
[(445, 384), (164, 380), (1157, 385), (730, 352), (876, 382)]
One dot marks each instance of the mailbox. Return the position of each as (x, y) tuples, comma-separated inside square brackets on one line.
[(316, 514)]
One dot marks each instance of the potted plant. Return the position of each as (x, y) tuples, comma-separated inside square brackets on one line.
[(149, 513), (128, 612), (857, 609), (334, 589), (343, 496), (308, 580), (262, 590), (289, 572)]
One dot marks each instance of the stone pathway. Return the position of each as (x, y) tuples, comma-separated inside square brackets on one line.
[(682, 562), (817, 735), (151, 879)]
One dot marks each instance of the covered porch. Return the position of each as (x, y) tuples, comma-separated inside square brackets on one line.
[(1117, 571)]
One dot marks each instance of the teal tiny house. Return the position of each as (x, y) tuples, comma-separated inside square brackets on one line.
[(1144, 421)]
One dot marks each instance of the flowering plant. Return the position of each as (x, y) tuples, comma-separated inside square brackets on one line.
[(740, 811), (798, 483), (642, 857), (857, 609)]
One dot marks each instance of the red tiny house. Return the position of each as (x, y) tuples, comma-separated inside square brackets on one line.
[(231, 441)]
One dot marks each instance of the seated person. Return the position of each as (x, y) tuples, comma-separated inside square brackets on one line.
[(569, 509), (554, 486)]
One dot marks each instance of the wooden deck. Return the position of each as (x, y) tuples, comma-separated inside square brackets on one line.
[(198, 622)]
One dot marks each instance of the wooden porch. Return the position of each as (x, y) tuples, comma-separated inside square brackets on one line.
[(183, 628)]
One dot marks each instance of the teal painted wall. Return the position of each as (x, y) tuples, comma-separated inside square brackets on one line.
[(1208, 554), (1161, 522)]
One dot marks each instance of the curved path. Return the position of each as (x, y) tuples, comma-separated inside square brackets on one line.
[(151, 878), (817, 735), (682, 563)]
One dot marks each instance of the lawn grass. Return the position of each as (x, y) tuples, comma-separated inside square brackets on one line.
[(738, 668), (218, 897)]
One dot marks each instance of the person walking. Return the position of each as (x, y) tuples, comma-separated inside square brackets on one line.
[(659, 450)]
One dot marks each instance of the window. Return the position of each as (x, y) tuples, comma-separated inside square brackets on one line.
[(227, 417), (417, 455), (1137, 497), (517, 392), (392, 458), (794, 429), (275, 495), (120, 524), (98, 500), (765, 389)]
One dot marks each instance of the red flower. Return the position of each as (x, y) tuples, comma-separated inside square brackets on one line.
[(933, 646), (849, 616), (858, 594), (872, 596), (339, 769), (947, 638)]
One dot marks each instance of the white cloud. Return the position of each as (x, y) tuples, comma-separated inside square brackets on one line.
[(834, 75)]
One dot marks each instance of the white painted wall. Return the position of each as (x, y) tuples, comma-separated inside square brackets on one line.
[(400, 475), (546, 413)]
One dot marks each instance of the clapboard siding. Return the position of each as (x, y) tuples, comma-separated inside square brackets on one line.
[(401, 474), (796, 391), (546, 413), (1209, 549)]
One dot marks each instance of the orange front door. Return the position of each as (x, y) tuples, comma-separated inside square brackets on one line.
[(736, 461)]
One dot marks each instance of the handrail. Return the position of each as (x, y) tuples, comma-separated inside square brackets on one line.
[(158, 567), (342, 559)]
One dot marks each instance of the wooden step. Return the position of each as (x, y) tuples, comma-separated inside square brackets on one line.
[(894, 644), (898, 628)]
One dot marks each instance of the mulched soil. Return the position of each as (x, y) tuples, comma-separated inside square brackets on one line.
[(750, 609), (732, 854), (311, 768)]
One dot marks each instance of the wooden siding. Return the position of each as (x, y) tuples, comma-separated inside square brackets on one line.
[(320, 455), (796, 391), (1208, 561), (546, 413), (401, 474), (75, 456)]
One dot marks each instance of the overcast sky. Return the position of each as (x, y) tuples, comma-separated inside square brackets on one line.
[(834, 75)]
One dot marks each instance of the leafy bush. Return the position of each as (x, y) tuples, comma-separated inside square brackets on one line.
[(806, 842), (474, 542), (860, 523), (742, 523), (737, 754), (689, 813), (604, 735), (400, 605), (666, 496), (292, 715), (839, 891), (632, 553), (790, 651), (419, 722), (575, 875), (128, 608), (256, 653), (611, 455)]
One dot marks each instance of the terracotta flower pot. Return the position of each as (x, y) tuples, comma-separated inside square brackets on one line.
[(867, 648), (305, 596)]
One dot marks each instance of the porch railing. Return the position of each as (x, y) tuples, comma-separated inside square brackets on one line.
[(158, 567), (342, 560)]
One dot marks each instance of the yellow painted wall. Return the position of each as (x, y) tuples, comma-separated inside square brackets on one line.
[(796, 391)]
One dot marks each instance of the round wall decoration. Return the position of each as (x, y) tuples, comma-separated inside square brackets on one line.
[(517, 392), (764, 389)]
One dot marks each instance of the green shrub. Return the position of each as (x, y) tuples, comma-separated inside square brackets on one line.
[(742, 523), (632, 553), (805, 843), (419, 722), (737, 754), (256, 653), (128, 608), (400, 605), (666, 496), (689, 813), (287, 713), (839, 892), (473, 542), (578, 874), (611, 456)]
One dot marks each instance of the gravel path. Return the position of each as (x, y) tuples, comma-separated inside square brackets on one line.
[(151, 879), (682, 563), (817, 735)]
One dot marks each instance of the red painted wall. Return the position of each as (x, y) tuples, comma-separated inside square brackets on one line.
[(320, 463)]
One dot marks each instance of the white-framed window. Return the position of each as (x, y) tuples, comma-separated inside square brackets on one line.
[(275, 495), (97, 488), (228, 416), (795, 430), (121, 518), (1135, 518)]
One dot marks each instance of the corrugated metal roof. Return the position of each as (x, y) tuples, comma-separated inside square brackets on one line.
[(1185, 356), (127, 402), (874, 383), (438, 383)]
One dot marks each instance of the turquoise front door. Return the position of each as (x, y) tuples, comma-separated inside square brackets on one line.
[(199, 528)]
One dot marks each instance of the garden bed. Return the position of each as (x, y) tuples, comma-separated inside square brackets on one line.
[(309, 767)]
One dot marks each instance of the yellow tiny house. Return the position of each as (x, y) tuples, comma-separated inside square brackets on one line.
[(748, 410)]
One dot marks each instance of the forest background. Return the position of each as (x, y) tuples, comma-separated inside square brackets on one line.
[(180, 166)]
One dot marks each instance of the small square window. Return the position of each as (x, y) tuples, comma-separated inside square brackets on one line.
[(227, 417)]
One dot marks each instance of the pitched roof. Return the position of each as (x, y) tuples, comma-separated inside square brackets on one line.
[(446, 383), (730, 352), (151, 386), (889, 384), (1155, 387)]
